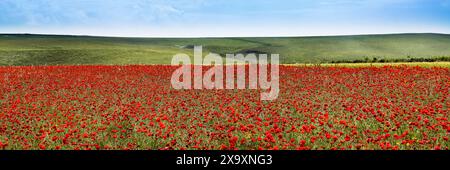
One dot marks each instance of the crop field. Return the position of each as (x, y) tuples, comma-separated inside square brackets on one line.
[(135, 107), (16, 49), (83, 93)]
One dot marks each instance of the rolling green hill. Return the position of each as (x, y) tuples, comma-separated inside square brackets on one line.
[(27, 49)]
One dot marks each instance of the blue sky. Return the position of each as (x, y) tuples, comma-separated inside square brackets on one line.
[(205, 18)]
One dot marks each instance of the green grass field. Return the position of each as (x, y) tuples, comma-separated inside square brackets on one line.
[(70, 50), (413, 64)]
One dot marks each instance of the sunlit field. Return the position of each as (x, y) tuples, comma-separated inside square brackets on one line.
[(413, 64)]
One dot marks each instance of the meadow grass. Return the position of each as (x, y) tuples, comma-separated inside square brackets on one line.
[(18, 49)]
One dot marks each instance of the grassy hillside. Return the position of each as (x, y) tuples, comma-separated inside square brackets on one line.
[(63, 50)]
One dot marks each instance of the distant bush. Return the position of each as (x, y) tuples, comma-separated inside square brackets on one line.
[(398, 60)]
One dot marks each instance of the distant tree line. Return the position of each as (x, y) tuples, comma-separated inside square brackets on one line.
[(397, 60)]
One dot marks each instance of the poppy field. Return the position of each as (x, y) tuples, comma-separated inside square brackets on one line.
[(135, 108)]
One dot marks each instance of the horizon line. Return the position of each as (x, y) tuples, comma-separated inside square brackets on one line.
[(181, 37)]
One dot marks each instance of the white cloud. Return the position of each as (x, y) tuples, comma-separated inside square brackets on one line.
[(66, 12)]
